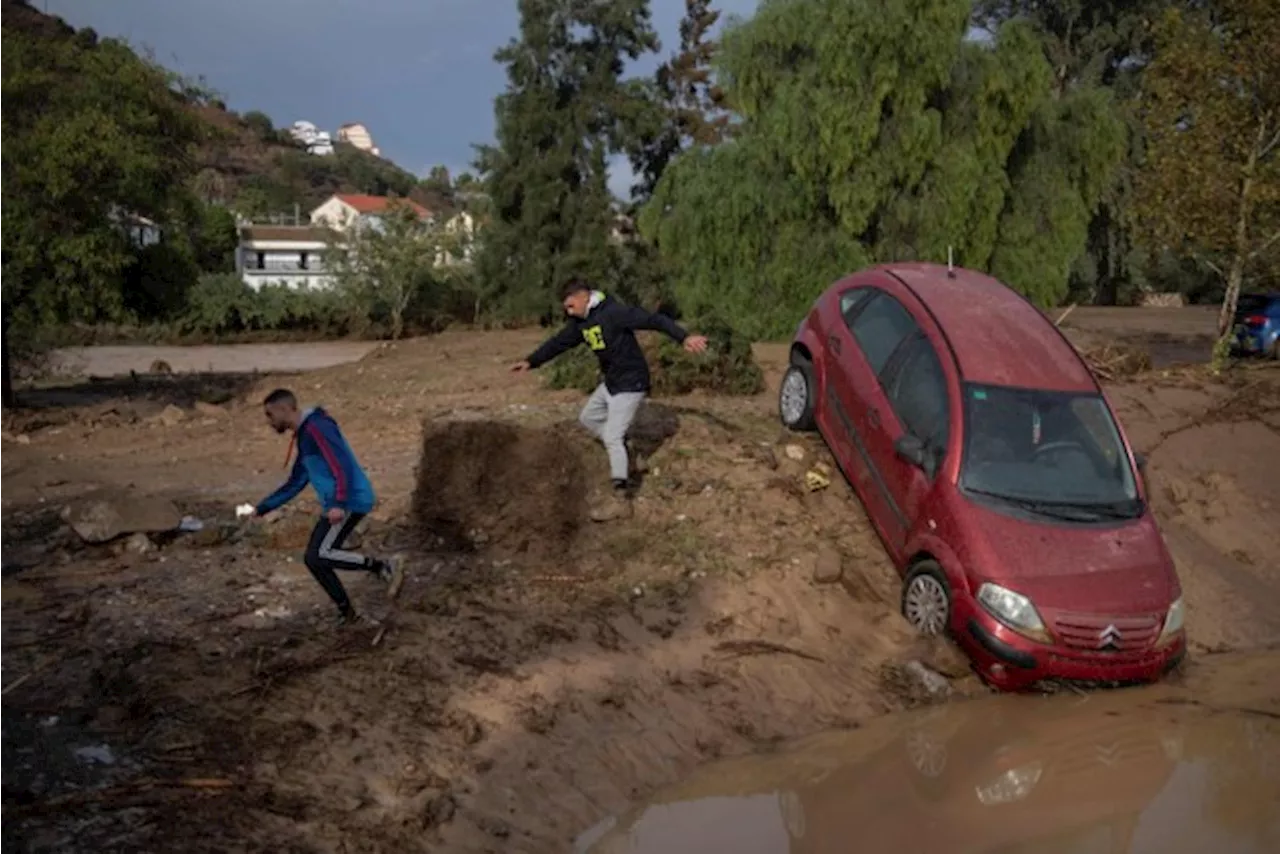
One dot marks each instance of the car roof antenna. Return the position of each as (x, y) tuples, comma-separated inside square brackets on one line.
[(951, 267)]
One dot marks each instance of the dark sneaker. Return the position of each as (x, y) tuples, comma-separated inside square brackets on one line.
[(351, 620), (392, 574), (611, 507)]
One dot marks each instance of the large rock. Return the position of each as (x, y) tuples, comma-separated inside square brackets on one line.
[(103, 516)]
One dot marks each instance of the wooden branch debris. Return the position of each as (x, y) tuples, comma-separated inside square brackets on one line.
[(762, 647)]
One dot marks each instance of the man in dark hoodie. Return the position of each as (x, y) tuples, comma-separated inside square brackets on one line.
[(326, 461), (608, 327)]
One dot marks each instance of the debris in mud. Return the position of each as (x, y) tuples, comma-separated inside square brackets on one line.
[(103, 516), (1113, 361), (499, 485), (818, 477), (914, 683)]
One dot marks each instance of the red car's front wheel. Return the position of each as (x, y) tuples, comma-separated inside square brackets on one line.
[(926, 599)]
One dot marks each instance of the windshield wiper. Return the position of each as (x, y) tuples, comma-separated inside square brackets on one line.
[(1064, 510)]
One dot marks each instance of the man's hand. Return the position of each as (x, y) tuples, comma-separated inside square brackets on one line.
[(335, 515), (696, 344), (520, 367)]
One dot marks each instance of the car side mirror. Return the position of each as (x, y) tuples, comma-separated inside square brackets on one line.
[(911, 448), (1141, 461)]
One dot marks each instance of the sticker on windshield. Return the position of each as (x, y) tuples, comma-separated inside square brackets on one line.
[(979, 394)]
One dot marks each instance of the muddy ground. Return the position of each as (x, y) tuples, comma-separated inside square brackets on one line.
[(537, 673)]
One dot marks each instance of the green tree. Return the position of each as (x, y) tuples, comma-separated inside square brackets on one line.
[(261, 125), (438, 180), (876, 131), (1091, 44), (688, 106), (385, 264), (835, 119), (93, 136), (1211, 106), (566, 110)]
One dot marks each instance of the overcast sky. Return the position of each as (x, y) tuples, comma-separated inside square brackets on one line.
[(419, 73)]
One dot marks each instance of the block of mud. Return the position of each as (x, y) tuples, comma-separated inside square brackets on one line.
[(503, 487), (103, 516)]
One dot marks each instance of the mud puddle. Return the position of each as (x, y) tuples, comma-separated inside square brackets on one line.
[(1172, 768)]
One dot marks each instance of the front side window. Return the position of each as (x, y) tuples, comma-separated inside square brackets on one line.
[(918, 393), (1052, 453), (879, 327), (850, 300)]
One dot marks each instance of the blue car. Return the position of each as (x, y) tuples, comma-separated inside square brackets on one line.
[(1257, 324)]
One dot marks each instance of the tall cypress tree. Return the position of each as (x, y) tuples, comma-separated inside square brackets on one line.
[(566, 110)]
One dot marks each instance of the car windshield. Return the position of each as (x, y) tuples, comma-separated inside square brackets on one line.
[(1048, 452)]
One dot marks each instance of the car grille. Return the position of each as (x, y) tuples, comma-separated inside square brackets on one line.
[(1107, 634)]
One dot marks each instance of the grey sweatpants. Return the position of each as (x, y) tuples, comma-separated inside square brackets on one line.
[(608, 417)]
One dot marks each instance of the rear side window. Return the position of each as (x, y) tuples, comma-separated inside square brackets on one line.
[(879, 327), (918, 393)]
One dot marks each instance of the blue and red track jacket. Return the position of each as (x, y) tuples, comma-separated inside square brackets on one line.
[(326, 461)]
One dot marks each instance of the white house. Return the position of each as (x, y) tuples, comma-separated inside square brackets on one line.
[(341, 211), (356, 134), (290, 255), (317, 141)]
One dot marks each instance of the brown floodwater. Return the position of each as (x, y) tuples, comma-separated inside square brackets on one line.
[(1191, 767)]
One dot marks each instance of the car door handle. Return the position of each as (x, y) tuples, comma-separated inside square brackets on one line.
[(873, 415), (834, 343)]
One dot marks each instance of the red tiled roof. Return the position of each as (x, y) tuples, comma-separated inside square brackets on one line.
[(378, 204)]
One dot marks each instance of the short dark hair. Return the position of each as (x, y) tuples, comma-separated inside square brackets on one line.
[(573, 286), (280, 395)]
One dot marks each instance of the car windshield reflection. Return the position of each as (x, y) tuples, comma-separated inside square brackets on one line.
[(1049, 453)]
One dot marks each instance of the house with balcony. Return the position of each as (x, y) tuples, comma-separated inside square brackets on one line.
[(288, 255)]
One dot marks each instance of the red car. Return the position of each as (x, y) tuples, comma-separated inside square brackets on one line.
[(994, 471)]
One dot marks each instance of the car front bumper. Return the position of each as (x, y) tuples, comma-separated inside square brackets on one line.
[(1010, 662)]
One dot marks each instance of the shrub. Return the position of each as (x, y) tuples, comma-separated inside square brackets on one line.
[(222, 304), (728, 367)]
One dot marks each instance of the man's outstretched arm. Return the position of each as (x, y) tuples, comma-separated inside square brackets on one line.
[(562, 342), (291, 487), (636, 317)]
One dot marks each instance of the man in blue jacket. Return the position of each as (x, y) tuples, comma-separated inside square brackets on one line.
[(326, 462), (608, 328)]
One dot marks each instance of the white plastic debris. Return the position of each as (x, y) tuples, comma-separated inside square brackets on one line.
[(190, 524), (243, 510), (96, 753)]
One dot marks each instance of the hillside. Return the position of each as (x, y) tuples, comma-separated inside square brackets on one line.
[(240, 163)]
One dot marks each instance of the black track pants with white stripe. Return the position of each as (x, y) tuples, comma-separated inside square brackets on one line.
[(325, 555)]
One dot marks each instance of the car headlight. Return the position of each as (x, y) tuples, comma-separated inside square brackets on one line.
[(1013, 785), (1014, 610), (1172, 621)]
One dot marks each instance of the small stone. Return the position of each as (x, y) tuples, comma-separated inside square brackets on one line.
[(828, 566), (138, 544), (932, 685), (170, 416), (794, 452)]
